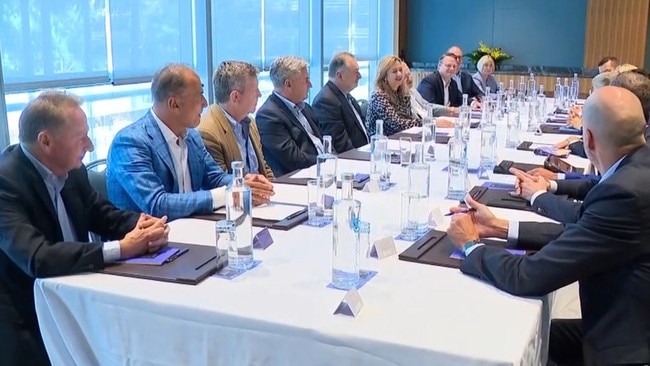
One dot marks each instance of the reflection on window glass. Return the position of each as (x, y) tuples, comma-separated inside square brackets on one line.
[(46, 40)]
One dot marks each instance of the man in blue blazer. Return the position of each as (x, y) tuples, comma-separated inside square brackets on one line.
[(338, 112), (606, 248), (160, 165), (291, 137)]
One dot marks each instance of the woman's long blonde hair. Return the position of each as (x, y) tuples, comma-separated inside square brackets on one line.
[(385, 64)]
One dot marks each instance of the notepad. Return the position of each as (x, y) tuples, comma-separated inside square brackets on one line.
[(272, 211)]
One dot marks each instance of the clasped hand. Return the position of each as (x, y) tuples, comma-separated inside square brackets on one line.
[(261, 188), (474, 222), (148, 236), (526, 185)]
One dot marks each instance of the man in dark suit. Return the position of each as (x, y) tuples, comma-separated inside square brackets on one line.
[(338, 112), (47, 208), (464, 81), (607, 249), (439, 87), (291, 138)]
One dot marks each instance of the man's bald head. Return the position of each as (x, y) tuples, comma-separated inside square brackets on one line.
[(615, 118)]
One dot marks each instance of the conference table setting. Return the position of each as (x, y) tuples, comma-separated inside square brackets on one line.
[(283, 311)]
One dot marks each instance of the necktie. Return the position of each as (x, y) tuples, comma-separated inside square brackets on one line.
[(64, 220), (246, 131)]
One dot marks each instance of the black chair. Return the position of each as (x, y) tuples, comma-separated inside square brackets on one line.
[(97, 179), (363, 104)]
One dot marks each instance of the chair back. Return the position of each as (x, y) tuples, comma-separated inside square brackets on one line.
[(97, 177), (363, 104)]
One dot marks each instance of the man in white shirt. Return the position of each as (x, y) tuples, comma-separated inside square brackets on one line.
[(160, 165)]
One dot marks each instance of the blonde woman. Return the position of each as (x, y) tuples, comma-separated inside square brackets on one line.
[(483, 77), (390, 100)]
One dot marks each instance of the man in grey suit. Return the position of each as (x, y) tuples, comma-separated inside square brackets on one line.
[(606, 249)]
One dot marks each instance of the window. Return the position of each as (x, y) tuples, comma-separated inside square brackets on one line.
[(107, 50)]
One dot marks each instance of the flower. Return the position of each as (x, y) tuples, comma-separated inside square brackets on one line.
[(496, 53)]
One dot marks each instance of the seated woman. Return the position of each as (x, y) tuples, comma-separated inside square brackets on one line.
[(391, 101), (483, 77), (420, 106)]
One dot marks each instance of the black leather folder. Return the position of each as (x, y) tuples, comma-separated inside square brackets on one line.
[(434, 248), (417, 137), (499, 198), (504, 166), (199, 262), (286, 179), (285, 224), (558, 129), (355, 154)]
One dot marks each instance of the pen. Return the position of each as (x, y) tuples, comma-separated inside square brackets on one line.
[(175, 256), (461, 211), (294, 215)]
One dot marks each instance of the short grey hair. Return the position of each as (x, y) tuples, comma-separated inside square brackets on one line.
[(169, 80), (482, 61), (284, 68), (48, 111), (229, 76), (338, 62), (639, 85), (603, 79)]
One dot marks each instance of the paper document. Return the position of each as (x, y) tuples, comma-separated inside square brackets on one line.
[(271, 211), (306, 173)]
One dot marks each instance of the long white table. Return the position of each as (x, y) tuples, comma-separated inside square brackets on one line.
[(281, 312)]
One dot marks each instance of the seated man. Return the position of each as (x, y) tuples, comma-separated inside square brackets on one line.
[(607, 64), (47, 208), (159, 164), (439, 86), (421, 107), (464, 80), (228, 132), (607, 249), (337, 111), (291, 138)]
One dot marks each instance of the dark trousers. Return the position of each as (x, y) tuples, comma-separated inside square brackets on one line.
[(565, 344), (21, 346)]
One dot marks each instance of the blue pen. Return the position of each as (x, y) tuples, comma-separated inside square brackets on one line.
[(175, 256)]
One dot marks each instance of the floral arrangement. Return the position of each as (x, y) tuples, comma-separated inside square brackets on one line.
[(496, 53)]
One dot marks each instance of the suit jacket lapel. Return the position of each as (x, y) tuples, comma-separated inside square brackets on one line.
[(160, 146), (75, 209), (195, 159), (287, 112), (229, 136), (347, 108)]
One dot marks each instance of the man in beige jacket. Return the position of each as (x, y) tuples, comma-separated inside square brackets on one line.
[(227, 131)]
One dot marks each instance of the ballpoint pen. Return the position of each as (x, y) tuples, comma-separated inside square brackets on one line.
[(468, 210), (175, 256)]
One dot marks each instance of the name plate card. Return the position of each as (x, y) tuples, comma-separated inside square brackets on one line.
[(436, 219), (351, 304), (383, 248), (372, 186), (263, 239)]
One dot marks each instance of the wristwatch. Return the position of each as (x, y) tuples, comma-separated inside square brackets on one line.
[(468, 245)]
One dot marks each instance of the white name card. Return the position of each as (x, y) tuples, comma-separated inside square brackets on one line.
[(372, 186), (351, 304), (383, 248), (436, 219)]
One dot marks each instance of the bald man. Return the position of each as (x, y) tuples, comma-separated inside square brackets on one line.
[(606, 248)]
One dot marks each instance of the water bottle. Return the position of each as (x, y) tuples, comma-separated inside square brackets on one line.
[(575, 89), (566, 94), (557, 94), (418, 183), (511, 89), (488, 144), (521, 92), (464, 117), (457, 171), (533, 113), (379, 157), (542, 103), (239, 208), (345, 237), (513, 127), (499, 106), (429, 138), (532, 85), (326, 164)]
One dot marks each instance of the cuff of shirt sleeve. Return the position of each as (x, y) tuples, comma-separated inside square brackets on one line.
[(218, 197), (513, 232), (559, 176), (111, 251), (535, 195), (471, 248)]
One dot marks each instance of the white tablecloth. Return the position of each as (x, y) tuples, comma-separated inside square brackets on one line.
[(281, 312)]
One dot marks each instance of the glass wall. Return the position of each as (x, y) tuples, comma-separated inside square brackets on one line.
[(107, 50)]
